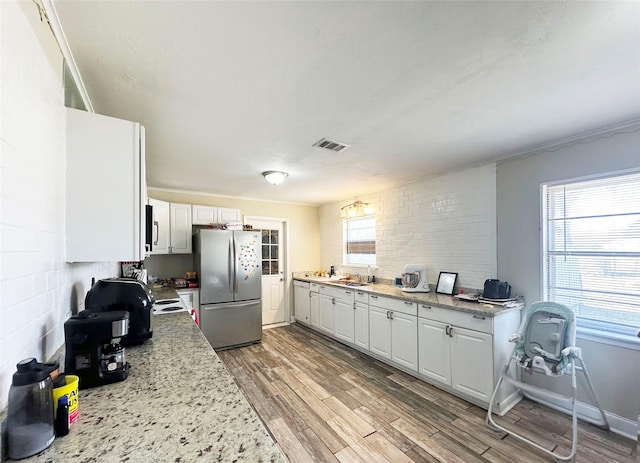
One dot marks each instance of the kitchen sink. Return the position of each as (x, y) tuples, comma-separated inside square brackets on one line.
[(351, 283)]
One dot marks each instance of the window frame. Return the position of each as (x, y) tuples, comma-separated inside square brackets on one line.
[(614, 333), (345, 229)]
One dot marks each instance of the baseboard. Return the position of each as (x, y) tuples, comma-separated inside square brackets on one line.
[(275, 325), (507, 404), (618, 424)]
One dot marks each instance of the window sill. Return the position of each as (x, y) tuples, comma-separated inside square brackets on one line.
[(623, 340)]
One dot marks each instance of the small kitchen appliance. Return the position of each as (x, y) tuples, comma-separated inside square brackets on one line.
[(30, 427), (124, 294), (94, 350), (414, 279)]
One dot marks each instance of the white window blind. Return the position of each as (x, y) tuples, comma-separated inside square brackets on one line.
[(360, 240), (592, 249)]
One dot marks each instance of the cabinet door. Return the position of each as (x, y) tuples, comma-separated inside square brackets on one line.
[(204, 215), (434, 350), (404, 340), (345, 316), (105, 188), (379, 332), (327, 314), (226, 215), (361, 325), (160, 232), (314, 309), (302, 302), (180, 236), (187, 298), (472, 362)]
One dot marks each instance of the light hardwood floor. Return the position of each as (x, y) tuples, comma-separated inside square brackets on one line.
[(325, 402)]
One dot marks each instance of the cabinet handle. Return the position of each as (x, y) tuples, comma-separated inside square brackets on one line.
[(428, 307), (373, 297), (157, 231), (360, 293), (390, 315), (450, 331), (347, 292), (479, 317), (354, 306), (408, 303), (387, 315), (333, 300)]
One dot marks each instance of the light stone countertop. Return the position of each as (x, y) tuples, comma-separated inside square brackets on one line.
[(434, 298), (178, 404)]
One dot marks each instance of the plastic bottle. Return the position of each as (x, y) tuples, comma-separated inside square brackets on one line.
[(62, 416)]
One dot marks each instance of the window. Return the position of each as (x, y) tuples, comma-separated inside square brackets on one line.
[(591, 247), (270, 252), (360, 240)]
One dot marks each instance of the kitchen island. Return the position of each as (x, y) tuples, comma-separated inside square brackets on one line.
[(179, 404)]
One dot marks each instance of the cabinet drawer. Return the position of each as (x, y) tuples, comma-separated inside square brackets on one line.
[(471, 321), (301, 284), (340, 293), (394, 305), (362, 296), (313, 287)]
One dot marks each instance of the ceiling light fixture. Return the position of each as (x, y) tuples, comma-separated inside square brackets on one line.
[(274, 177), (357, 209)]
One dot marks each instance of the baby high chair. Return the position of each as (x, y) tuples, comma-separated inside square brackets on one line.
[(545, 344)]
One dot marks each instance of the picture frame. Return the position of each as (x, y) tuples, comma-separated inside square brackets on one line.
[(446, 283)]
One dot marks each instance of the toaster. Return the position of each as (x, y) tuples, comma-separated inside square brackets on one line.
[(496, 289)]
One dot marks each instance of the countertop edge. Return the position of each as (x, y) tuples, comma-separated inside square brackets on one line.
[(442, 300)]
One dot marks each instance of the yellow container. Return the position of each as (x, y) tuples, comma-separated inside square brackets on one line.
[(70, 389)]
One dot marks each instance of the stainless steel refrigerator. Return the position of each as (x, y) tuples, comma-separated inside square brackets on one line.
[(229, 268)]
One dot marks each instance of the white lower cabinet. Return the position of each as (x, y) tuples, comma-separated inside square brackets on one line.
[(457, 357), (302, 301), (361, 325), (380, 332), (314, 309), (456, 350), (393, 330), (191, 298)]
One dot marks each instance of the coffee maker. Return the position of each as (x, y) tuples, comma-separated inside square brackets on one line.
[(93, 347), (127, 294)]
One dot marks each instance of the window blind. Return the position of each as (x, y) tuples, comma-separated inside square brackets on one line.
[(592, 248), (360, 240)]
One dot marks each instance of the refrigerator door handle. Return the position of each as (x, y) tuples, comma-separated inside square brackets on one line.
[(235, 267), (231, 265)]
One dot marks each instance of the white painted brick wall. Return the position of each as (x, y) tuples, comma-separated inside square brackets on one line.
[(39, 290), (447, 222)]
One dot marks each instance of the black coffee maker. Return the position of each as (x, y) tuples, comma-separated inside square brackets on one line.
[(124, 294), (94, 351)]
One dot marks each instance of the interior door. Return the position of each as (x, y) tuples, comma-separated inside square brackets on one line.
[(272, 256)]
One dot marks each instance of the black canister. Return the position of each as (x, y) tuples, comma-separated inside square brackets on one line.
[(30, 427)]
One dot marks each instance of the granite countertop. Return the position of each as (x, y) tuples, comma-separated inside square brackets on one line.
[(179, 404), (434, 298)]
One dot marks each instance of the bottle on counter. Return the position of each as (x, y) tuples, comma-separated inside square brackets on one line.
[(62, 416)]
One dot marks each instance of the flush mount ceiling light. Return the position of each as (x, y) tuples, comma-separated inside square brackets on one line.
[(357, 209), (274, 177)]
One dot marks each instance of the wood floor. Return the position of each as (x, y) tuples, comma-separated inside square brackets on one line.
[(324, 402)]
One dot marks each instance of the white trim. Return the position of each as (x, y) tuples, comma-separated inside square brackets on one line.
[(285, 273), (606, 337), (618, 424), (61, 38), (212, 195), (584, 137)]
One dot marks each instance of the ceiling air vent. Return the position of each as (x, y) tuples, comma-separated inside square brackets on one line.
[(331, 145)]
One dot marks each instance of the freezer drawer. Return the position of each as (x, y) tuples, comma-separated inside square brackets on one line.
[(231, 324)]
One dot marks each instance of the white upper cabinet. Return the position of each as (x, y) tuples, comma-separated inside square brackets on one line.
[(226, 215), (160, 232), (207, 215), (204, 215), (171, 227), (105, 189), (180, 225)]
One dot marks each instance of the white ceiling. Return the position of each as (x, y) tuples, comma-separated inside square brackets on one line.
[(227, 90)]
